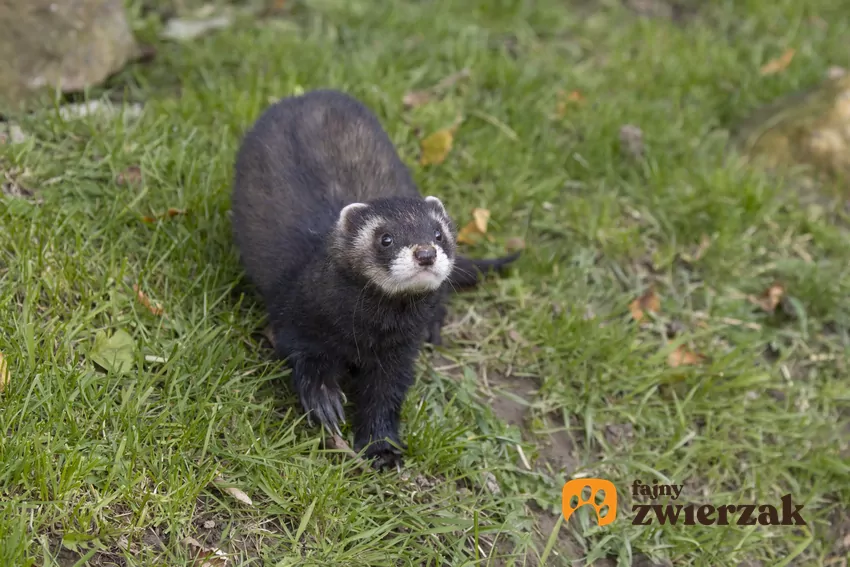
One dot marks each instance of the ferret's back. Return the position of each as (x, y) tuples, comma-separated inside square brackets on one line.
[(304, 159)]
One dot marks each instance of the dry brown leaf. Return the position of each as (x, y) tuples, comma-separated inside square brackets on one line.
[(648, 302), (770, 298), (235, 492), (205, 556), (683, 357), (5, 377), (130, 176), (172, 212), (416, 98), (564, 100), (145, 300), (477, 226), (413, 99), (778, 64)]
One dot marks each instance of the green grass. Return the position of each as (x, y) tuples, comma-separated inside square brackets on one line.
[(119, 468)]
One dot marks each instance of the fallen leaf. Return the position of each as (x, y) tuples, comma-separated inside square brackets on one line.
[(778, 64), (235, 492), (5, 377), (477, 226), (683, 357), (437, 146), (416, 98), (113, 353), (413, 99), (648, 302), (338, 443), (770, 298), (167, 214), (130, 176), (208, 556), (145, 300), (565, 100), (481, 217)]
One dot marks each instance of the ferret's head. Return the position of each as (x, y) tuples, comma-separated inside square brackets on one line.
[(401, 245)]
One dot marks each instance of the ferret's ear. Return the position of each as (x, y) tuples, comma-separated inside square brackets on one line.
[(346, 212), (437, 203)]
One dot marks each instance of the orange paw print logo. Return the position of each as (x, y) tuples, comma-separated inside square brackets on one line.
[(606, 510)]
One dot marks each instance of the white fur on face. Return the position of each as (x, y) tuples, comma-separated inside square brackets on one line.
[(443, 225), (407, 275), (365, 234), (404, 274)]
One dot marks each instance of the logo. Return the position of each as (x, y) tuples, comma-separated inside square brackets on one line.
[(690, 514), (606, 510)]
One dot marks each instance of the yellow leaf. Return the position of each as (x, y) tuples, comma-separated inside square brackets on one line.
[(4, 373), (778, 64), (477, 226), (437, 146), (481, 217)]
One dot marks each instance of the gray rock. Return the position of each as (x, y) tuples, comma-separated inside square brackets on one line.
[(67, 45)]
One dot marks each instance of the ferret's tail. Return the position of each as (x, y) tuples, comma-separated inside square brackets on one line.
[(467, 272)]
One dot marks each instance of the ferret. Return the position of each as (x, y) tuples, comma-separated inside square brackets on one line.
[(353, 264)]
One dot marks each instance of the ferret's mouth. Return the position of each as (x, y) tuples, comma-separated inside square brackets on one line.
[(425, 277), (425, 273)]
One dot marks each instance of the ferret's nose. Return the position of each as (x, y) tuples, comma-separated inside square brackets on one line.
[(425, 255)]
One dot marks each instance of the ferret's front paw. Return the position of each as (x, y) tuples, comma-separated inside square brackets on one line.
[(384, 455), (324, 404)]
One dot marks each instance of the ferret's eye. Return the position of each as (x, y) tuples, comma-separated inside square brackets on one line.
[(438, 235), (386, 240)]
